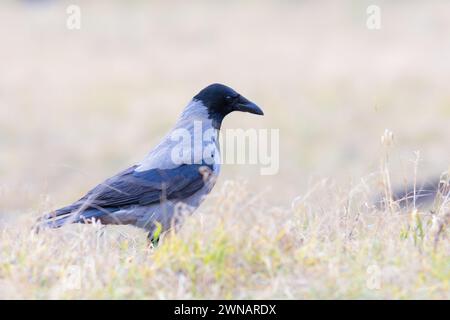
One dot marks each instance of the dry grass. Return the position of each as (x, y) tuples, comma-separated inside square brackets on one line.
[(77, 106), (239, 247)]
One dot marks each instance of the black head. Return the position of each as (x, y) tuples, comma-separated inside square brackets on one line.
[(221, 100)]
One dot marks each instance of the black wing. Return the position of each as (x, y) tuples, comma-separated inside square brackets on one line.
[(146, 187)]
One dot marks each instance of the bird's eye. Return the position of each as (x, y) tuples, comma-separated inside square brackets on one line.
[(230, 99)]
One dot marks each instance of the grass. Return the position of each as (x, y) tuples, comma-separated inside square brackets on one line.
[(78, 106), (237, 246)]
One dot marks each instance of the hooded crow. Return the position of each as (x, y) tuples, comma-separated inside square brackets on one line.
[(171, 181)]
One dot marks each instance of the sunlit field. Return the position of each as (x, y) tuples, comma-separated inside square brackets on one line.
[(77, 106)]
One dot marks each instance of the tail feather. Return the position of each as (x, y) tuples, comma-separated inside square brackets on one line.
[(67, 215)]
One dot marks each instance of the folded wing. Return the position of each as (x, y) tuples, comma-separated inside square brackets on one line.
[(131, 187)]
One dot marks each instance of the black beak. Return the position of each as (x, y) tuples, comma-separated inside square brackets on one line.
[(245, 105)]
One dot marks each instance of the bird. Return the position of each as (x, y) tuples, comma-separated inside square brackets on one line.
[(434, 191), (173, 178)]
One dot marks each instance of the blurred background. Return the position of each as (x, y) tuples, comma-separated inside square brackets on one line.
[(76, 106)]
